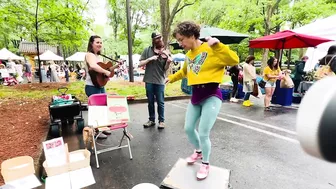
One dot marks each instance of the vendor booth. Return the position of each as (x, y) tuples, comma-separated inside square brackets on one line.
[(286, 40), (321, 28), (5, 54)]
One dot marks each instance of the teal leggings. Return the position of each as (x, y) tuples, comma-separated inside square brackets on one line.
[(207, 112)]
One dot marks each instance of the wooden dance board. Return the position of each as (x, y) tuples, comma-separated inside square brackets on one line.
[(183, 176)]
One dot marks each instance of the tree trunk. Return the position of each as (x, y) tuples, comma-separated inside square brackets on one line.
[(251, 51), (6, 42), (167, 18), (279, 52), (270, 8), (251, 29), (289, 58), (264, 59), (37, 41), (164, 11), (116, 25), (267, 23), (301, 52)]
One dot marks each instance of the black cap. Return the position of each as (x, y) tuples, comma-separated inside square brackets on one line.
[(155, 35)]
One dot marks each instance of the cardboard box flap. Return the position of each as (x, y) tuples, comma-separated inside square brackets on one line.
[(16, 168), (77, 162)]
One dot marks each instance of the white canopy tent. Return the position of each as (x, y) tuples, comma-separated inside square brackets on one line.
[(179, 56), (321, 28), (135, 58), (5, 54), (78, 56), (48, 55)]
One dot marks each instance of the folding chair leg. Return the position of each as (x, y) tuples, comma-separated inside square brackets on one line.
[(128, 143), (122, 138), (129, 148), (95, 148)]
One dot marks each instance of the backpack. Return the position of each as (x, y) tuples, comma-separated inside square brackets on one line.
[(324, 70)]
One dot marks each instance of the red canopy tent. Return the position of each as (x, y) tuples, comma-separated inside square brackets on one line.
[(287, 40)]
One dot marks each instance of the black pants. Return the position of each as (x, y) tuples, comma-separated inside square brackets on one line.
[(296, 84), (235, 86)]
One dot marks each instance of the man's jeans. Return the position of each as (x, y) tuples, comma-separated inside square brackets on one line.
[(155, 91)]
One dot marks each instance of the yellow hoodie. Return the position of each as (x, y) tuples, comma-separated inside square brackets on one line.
[(206, 64)]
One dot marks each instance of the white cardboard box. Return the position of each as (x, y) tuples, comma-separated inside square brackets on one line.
[(72, 172), (19, 173), (75, 174)]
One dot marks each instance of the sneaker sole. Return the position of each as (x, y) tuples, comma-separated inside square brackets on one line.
[(200, 179), (192, 163), (160, 127), (147, 126)]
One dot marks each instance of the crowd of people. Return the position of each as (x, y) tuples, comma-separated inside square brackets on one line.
[(19, 71), (203, 59), (204, 67), (246, 75), (14, 72), (53, 72)]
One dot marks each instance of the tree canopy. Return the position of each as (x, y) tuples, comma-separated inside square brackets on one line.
[(60, 23), (64, 23)]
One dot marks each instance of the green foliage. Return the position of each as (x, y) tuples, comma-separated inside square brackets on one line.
[(249, 17), (63, 22), (310, 76), (77, 89), (141, 19), (60, 22), (305, 11)]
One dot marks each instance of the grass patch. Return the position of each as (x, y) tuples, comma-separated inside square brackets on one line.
[(226, 78), (46, 90), (38, 91)]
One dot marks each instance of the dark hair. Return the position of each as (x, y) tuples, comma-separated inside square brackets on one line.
[(304, 57), (91, 40), (78, 66), (249, 59), (332, 49), (155, 35), (188, 29), (270, 63)]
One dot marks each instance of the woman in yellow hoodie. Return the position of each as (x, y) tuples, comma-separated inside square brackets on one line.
[(204, 68)]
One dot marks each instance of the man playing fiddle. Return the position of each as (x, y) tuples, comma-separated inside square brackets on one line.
[(157, 60)]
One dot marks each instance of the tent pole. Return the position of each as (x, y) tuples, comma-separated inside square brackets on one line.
[(289, 58), (283, 46)]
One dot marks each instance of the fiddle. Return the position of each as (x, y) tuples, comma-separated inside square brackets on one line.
[(162, 53)]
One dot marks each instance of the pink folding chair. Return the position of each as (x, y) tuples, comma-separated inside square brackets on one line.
[(101, 100)]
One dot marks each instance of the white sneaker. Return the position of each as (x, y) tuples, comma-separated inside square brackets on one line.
[(233, 100)]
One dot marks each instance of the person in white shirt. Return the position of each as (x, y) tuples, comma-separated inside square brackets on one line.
[(19, 71), (11, 67), (249, 79), (53, 72)]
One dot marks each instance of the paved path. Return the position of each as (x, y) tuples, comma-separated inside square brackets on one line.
[(259, 147)]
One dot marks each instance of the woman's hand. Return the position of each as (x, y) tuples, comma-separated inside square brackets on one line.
[(107, 73), (167, 81), (212, 41), (155, 57)]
